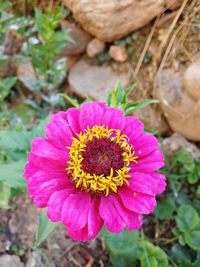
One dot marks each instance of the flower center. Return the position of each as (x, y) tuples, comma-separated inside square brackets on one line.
[(101, 155), (99, 160)]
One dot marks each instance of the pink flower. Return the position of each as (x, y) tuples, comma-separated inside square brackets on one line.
[(95, 167)]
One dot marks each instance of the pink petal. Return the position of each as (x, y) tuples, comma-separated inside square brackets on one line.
[(73, 115), (55, 203), (91, 114), (36, 164), (93, 227), (59, 134), (161, 182), (134, 128), (44, 148), (59, 116), (114, 118), (42, 193), (137, 202), (146, 183), (108, 212), (95, 222), (42, 176), (150, 163), (132, 220), (75, 210), (80, 235), (144, 145)]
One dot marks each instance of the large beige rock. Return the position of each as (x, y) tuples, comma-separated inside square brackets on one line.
[(181, 111), (191, 80), (153, 119), (7, 260), (94, 81), (111, 19)]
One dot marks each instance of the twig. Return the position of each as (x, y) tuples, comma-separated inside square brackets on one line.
[(146, 46), (167, 51), (172, 26)]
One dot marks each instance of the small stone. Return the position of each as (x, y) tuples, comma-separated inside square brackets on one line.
[(26, 75), (191, 80), (95, 47), (10, 260), (118, 53), (94, 81), (79, 42), (181, 111)]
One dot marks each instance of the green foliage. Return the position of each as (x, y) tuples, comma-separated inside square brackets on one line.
[(188, 222), (14, 147), (127, 248), (45, 228), (52, 41), (5, 86), (165, 208), (8, 21), (119, 98), (5, 194)]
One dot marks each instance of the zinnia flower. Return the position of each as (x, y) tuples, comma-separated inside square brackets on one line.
[(95, 167)]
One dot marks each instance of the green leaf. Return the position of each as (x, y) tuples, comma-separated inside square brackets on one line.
[(152, 256), (72, 101), (11, 174), (193, 239), (186, 159), (15, 143), (180, 253), (181, 240), (140, 104), (5, 85), (123, 248), (5, 195), (118, 97), (5, 5), (166, 208), (150, 131), (192, 178), (45, 228), (187, 218)]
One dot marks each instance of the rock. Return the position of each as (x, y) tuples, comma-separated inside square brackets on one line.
[(94, 81), (8, 68), (12, 42), (181, 111), (95, 47), (173, 4), (176, 142), (35, 259), (10, 260), (26, 75), (110, 20), (118, 53), (191, 80), (152, 119), (80, 40)]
